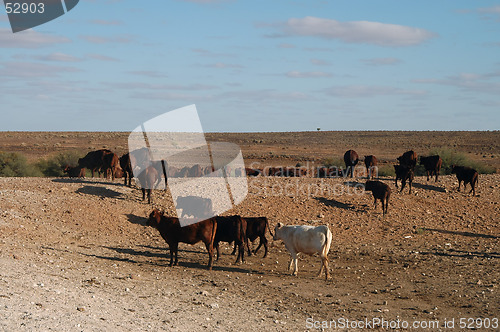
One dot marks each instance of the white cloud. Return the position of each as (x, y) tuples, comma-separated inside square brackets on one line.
[(365, 32), (58, 57), (29, 69), (365, 91), (381, 61), (468, 82), (490, 12), (319, 62), (107, 40), (28, 39), (101, 57), (310, 74)]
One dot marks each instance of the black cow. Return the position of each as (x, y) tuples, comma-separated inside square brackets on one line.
[(404, 173), (126, 168), (94, 160), (351, 159), (432, 165), (74, 172), (256, 228), (467, 175), (229, 229), (380, 191), (408, 159)]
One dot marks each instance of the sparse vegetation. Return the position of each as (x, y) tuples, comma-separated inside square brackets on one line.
[(53, 166), (329, 162), (386, 170), (15, 164), (451, 157)]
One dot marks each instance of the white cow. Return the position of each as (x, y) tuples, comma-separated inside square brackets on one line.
[(306, 239)]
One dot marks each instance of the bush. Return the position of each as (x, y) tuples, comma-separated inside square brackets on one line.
[(451, 157), (329, 162), (387, 170), (54, 166), (15, 164)]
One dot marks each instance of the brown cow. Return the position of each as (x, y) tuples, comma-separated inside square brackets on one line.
[(351, 159), (432, 165), (94, 160), (74, 172), (231, 229), (380, 191), (253, 172), (148, 179), (408, 159), (172, 232), (371, 163), (256, 228), (110, 163), (467, 175), (404, 173)]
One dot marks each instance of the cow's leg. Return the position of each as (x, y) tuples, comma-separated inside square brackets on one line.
[(260, 245), (149, 196), (143, 193), (172, 253), (324, 264), (427, 172), (295, 260), (386, 204), (210, 250), (241, 252), (217, 249), (403, 184), (437, 174), (176, 251), (459, 182), (396, 181), (383, 206), (234, 249), (264, 241), (374, 203), (409, 183)]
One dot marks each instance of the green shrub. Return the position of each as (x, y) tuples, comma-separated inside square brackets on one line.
[(15, 164), (451, 157), (387, 170), (54, 165)]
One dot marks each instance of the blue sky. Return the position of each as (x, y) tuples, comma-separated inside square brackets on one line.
[(254, 65)]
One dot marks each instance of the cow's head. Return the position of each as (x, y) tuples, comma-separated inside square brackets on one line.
[(154, 218)]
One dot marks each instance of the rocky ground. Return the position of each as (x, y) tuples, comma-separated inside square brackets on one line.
[(76, 255)]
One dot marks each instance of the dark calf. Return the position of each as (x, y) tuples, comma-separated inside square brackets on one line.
[(467, 175), (408, 159), (404, 173), (380, 191), (432, 165), (172, 232), (148, 179), (351, 159), (231, 229), (74, 172), (256, 228)]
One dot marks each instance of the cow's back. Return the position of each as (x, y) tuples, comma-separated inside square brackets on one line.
[(309, 239)]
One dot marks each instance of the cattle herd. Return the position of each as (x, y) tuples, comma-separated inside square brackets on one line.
[(237, 229)]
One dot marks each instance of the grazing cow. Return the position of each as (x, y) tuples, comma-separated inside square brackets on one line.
[(256, 228), (432, 165), (195, 171), (148, 179), (467, 175), (197, 207), (74, 172), (408, 159), (308, 240), (172, 232), (328, 172), (404, 173), (110, 163), (351, 159), (126, 167), (380, 191), (183, 173), (371, 165), (94, 160), (231, 229)]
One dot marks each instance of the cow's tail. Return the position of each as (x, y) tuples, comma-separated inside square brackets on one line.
[(328, 243), (269, 229), (214, 229)]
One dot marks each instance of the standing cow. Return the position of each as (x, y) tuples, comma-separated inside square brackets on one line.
[(408, 159), (94, 160), (148, 179), (404, 173), (308, 240), (351, 159), (432, 165), (380, 191), (371, 163), (467, 175)]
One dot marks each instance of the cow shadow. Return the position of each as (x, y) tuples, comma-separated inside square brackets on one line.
[(132, 218), (83, 180), (341, 205), (428, 187), (463, 254), (99, 192), (444, 231)]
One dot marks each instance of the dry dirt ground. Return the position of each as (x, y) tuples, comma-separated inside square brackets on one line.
[(76, 254)]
